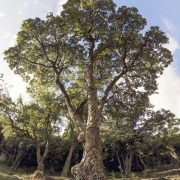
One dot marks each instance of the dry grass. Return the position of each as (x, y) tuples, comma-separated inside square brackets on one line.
[(7, 174), (173, 174), (169, 174)]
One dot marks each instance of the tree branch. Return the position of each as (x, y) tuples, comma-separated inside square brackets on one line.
[(126, 68), (79, 109), (16, 128), (36, 63), (109, 88), (72, 113), (113, 82), (45, 151)]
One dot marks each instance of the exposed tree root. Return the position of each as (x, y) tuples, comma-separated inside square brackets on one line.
[(90, 168), (39, 175)]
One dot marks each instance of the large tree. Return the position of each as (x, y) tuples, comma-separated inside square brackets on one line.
[(90, 48)]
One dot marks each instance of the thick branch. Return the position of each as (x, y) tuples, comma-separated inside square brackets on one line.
[(79, 109), (126, 68), (72, 112), (67, 98), (45, 151), (23, 132), (38, 152)]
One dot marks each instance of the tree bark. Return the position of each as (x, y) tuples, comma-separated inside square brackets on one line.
[(41, 158), (19, 157), (142, 162), (3, 157), (91, 165), (120, 164), (128, 163), (40, 164), (175, 161), (68, 161)]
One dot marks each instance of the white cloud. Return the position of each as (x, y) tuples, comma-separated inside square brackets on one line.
[(26, 3), (173, 44), (169, 92), (60, 6), (14, 83), (35, 1), (13, 41), (169, 25), (20, 12), (6, 35), (168, 96), (2, 15), (17, 83)]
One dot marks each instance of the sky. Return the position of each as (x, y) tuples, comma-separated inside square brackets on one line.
[(162, 13)]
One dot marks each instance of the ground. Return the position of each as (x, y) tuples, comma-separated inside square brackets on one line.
[(173, 174)]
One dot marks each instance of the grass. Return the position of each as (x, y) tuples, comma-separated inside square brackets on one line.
[(172, 174), (7, 174), (163, 174)]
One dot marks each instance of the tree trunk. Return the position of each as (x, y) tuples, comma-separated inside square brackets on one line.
[(128, 163), (120, 164), (175, 161), (19, 157), (40, 164), (41, 158), (68, 161), (142, 162), (91, 165), (3, 157)]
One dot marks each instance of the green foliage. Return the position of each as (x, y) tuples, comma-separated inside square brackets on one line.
[(58, 48)]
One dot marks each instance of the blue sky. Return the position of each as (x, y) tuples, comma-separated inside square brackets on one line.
[(162, 13)]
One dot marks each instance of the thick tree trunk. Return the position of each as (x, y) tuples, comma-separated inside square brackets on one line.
[(91, 165), (68, 161)]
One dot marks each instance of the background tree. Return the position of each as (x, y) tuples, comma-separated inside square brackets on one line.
[(36, 122), (131, 125), (92, 46)]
